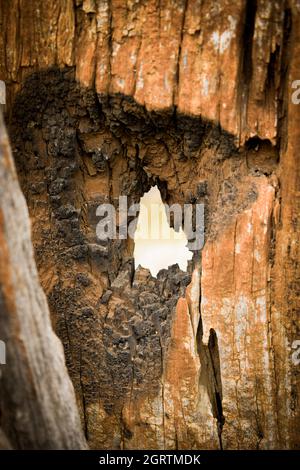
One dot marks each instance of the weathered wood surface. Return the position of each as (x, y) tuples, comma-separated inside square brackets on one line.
[(37, 400)]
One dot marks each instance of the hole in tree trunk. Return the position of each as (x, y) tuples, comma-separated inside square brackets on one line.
[(157, 245)]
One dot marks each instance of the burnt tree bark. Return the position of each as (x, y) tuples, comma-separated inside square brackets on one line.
[(109, 97), (37, 400)]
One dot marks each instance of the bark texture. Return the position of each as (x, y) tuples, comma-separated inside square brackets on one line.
[(107, 98), (37, 400), (4, 444)]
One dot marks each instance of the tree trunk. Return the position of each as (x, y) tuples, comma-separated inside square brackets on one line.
[(109, 98), (38, 406), (4, 443)]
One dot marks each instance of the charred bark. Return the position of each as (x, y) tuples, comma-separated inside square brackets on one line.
[(37, 402)]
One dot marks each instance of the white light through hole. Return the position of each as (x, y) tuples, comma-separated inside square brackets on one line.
[(157, 245)]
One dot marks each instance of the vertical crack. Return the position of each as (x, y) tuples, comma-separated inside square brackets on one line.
[(283, 89), (85, 427), (245, 62), (177, 72), (162, 386), (211, 375), (110, 42)]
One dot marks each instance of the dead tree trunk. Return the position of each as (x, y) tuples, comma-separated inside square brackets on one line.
[(37, 400), (108, 98)]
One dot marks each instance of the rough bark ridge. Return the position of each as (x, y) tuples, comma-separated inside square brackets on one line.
[(37, 400), (108, 98)]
